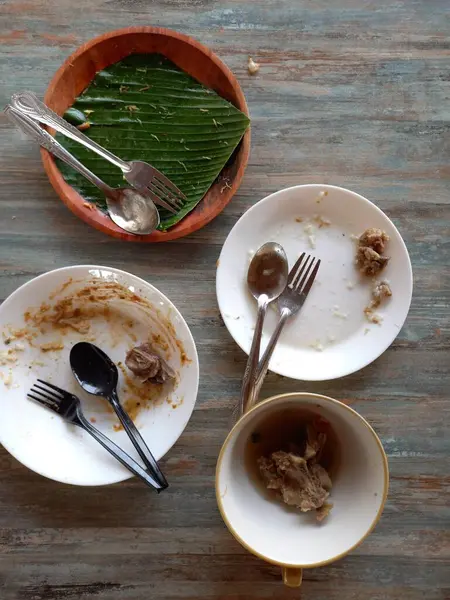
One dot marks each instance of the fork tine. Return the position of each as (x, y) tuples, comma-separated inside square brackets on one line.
[(294, 269), (159, 188), (51, 385), (310, 281), (301, 271), (301, 280), (46, 402), (303, 275), (40, 392), (169, 184), (157, 200), (49, 392), (171, 189), (173, 198)]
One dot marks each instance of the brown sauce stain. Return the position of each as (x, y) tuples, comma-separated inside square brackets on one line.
[(138, 395), (76, 311)]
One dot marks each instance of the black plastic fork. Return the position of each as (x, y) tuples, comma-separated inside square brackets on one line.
[(68, 406)]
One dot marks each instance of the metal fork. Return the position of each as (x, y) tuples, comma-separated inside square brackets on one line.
[(139, 174), (68, 406), (300, 280)]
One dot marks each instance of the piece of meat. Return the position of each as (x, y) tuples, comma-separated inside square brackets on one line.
[(369, 256), (164, 374), (270, 476), (320, 473), (323, 511), (315, 442), (149, 366), (369, 261), (380, 291), (374, 238), (142, 361), (295, 483)]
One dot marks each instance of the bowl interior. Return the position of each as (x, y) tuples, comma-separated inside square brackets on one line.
[(290, 537), (191, 56)]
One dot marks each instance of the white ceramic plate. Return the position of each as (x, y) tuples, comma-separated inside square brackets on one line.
[(43, 441), (330, 337)]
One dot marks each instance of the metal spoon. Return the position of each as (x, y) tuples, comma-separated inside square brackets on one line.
[(138, 173), (266, 278), (131, 210), (97, 374)]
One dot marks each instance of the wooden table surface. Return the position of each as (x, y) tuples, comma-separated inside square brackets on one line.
[(354, 93)]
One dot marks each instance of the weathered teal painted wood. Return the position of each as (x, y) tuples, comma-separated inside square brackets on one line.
[(355, 93)]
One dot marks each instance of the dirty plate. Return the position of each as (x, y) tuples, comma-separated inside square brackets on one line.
[(41, 321), (331, 336)]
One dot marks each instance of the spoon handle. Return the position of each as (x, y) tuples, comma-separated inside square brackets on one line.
[(247, 396), (29, 103), (47, 141), (119, 454), (138, 441)]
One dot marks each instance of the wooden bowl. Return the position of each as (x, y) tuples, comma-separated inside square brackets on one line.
[(81, 67)]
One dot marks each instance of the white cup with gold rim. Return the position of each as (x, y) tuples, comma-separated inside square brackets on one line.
[(282, 535)]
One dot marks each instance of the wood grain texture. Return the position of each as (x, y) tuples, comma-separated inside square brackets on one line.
[(354, 93)]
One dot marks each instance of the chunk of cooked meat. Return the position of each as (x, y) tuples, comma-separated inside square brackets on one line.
[(295, 482), (146, 364), (142, 361), (315, 442), (369, 261), (323, 511), (371, 245), (374, 238), (321, 474), (380, 292)]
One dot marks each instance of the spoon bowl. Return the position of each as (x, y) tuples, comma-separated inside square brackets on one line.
[(94, 370), (132, 211), (268, 271)]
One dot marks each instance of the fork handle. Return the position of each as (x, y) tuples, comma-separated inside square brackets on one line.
[(263, 365), (47, 141), (29, 104), (249, 379), (137, 440), (120, 454)]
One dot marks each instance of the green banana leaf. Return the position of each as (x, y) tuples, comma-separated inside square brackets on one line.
[(146, 108)]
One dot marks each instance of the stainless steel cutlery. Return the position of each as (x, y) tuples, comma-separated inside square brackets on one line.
[(289, 300)]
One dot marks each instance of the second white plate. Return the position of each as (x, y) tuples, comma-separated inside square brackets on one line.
[(330, 337)]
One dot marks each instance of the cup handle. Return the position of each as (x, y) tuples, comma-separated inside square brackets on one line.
[(292, 577)]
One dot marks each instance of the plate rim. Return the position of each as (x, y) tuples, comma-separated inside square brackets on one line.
[(320, 187)]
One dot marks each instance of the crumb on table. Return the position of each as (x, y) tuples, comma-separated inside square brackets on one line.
[(252, 66)]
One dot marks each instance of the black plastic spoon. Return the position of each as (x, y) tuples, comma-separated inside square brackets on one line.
[(97, 374)]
